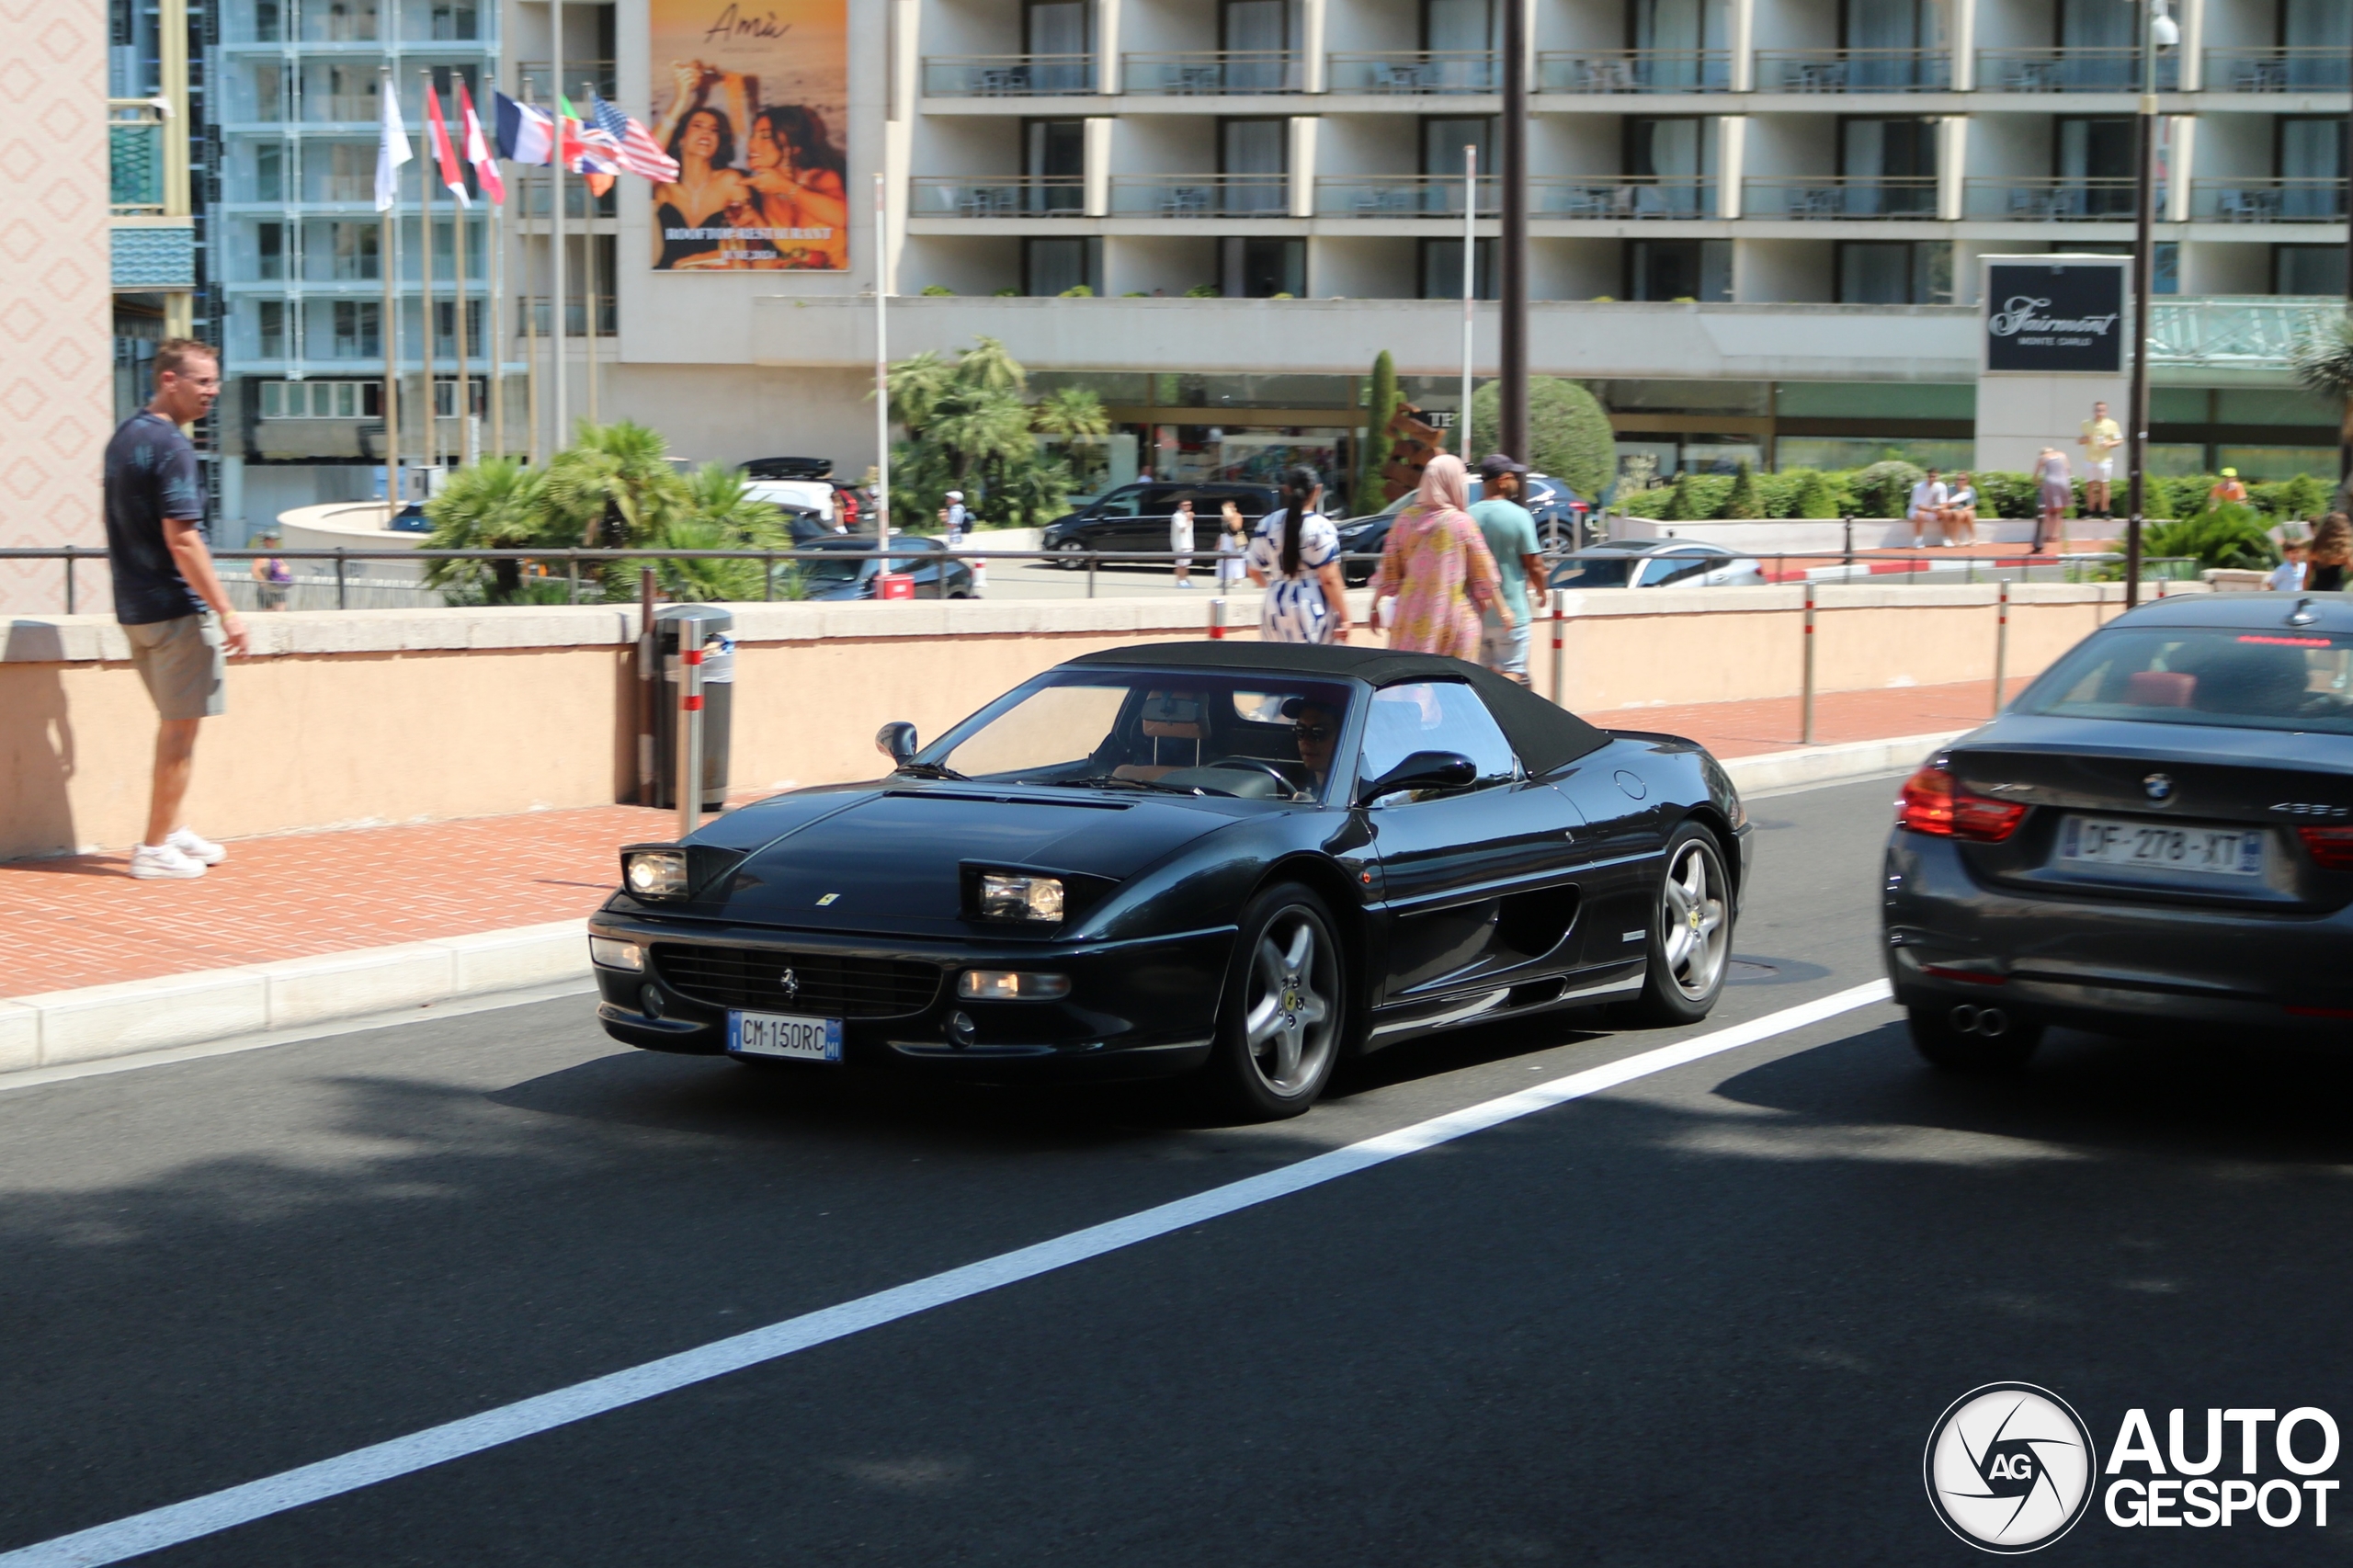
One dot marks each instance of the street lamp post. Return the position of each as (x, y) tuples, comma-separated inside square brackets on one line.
[(2157, 28), (1511, 403)]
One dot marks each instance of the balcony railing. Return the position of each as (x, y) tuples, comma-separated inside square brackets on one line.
[(2268, 200), (581, 77), (1417, 71), (340, 108), (1634, 71), (2278, 71), (1854, 70), (2070, 70), (1623, 197), (1006, 75), (135, 156), (531, 201), (1399, 195), (1200, 195), (1226, 71), (541, 314), (1017, 196), (2059, 200), (2261, 332), (1845, 196)]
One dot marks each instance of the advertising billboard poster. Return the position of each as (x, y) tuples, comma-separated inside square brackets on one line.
[(753, 100), (2062, 318)]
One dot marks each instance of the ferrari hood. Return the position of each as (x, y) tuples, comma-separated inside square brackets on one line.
[(892, 861)]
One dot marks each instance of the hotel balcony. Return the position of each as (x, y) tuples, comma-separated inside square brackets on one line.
[(2278, 71), (1668, 198), (1214, 72), (1008, 75), (2060, 200), (1200, 195), (1408, 73), (1816, 71), (135, 156), (1399, 195), (980, 196), (1844, 198), (2071, 70), (1617, 71), (2267, 201)]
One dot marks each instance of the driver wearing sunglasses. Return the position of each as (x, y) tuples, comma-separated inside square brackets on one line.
[(1317, 731)]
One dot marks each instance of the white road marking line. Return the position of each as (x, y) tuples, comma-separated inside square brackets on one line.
[(216, 1511)]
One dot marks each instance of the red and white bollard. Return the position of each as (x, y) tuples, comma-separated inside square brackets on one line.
[(1217, 620), (689, 735), (1560, 658)]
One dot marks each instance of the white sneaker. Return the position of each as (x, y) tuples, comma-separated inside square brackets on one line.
[(148, 861), (196, 847)]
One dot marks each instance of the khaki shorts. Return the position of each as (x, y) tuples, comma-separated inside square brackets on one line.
[(182, 661)]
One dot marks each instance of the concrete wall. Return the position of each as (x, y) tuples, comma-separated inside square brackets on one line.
[(56, 298), (404, 715)]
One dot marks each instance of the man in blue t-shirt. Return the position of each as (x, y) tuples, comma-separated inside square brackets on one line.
[(1519, 561), (163, 581)]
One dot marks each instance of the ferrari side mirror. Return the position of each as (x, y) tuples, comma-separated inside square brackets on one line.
[(896, 740), (1424, 770)]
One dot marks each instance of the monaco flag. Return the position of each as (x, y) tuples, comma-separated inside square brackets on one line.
[(478, 148), (451, 175)]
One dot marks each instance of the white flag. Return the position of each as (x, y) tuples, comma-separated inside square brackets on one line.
[(391, 150)]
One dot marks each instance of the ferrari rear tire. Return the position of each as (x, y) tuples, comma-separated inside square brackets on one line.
[(1283, 1013), (1939, 1035), (1691, 920)]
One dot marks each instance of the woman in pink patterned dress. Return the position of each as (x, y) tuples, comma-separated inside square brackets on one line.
[(1438, 569)]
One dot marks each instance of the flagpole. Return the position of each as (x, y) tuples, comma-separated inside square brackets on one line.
[(467, 452), (531, 333), (881, 393), (426, 173), (496, 344), (388, 330), (555, 206), (588, 287)]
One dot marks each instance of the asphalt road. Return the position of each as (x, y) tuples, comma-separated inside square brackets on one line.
[(1706, 1317)]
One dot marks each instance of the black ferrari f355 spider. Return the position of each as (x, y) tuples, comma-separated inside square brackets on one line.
[(1239, 860)]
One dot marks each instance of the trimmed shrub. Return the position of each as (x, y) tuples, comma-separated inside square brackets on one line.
[(1381, 407), (1742, 502), (1884, 489), (1816, 497), (1568, 434), (2230, 535)]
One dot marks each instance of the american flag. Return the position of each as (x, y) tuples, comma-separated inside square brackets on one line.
[(637, 152)]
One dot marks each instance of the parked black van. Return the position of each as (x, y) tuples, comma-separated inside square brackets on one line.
[(1135, 516)]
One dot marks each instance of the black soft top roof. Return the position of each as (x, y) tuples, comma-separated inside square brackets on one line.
[(1546, 737)]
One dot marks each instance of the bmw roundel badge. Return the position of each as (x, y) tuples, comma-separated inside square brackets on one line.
[(2159, 786)]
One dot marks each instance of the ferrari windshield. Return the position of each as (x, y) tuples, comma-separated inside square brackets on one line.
[(2284, 679), (1260, 737)]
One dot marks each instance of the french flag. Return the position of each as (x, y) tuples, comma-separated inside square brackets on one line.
[(526, 135)]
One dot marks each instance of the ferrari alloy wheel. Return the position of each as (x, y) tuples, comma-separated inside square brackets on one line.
[(1279, 1024), (1692, 935)]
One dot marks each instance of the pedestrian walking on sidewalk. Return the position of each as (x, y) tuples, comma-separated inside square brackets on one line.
[(271, 576), (1510, 533), (1437, 567), (1296, 558), (1233, 548), (2099, 441), (2057, 490), (1180, 542), (171, 603)]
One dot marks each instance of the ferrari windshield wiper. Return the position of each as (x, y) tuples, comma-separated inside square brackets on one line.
[(1132, 783), (930, 770)]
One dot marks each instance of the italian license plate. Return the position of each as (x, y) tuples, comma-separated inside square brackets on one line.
[(785, 1034), (2111, 843)]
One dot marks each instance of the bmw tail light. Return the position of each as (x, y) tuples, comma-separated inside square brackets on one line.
[(2330, 848), (1933, 802)]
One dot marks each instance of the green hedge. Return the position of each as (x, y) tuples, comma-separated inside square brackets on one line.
[(1881, 490)]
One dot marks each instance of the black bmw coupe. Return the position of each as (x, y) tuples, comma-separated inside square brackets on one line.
[(1239, 860), (2156, 837)]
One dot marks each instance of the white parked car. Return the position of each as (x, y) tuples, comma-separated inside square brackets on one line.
[(816, 495)]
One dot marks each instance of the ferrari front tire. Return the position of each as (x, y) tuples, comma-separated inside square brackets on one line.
[(1284, 1010), (1691, 915)]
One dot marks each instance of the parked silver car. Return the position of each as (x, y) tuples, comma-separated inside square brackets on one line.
[(1658, 563)]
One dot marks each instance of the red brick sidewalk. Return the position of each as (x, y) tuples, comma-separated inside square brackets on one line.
[(83, 921)]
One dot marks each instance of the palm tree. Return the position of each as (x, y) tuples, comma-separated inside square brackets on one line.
[(2324, 365), (496, 505), (987, 366), (917, 383), (613, 487), (1071, 411)]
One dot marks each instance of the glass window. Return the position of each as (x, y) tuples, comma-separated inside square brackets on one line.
[(1437, 715), (1057, 266), (2308, 269), (1442, 270), (2286, 679)]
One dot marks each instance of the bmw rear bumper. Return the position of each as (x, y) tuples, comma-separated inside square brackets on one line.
[(2106, 964), (1136, 1009)]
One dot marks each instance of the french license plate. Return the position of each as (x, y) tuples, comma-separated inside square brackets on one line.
[(2113, 843), (783, 1034)]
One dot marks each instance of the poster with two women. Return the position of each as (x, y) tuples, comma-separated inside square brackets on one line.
[(753, 100)]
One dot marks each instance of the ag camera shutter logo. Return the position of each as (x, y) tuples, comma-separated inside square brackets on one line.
[(2010, 1468)]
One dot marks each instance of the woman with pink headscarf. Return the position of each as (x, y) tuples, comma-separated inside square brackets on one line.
[(1438, 569)]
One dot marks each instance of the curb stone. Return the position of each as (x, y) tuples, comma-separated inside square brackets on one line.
[(92, 1023)]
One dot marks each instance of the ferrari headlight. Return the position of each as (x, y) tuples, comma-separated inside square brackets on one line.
[(1010, 986), (654, 873), (1020, 898)]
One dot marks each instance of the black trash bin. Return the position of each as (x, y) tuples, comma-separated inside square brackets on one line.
[(712, 628)]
